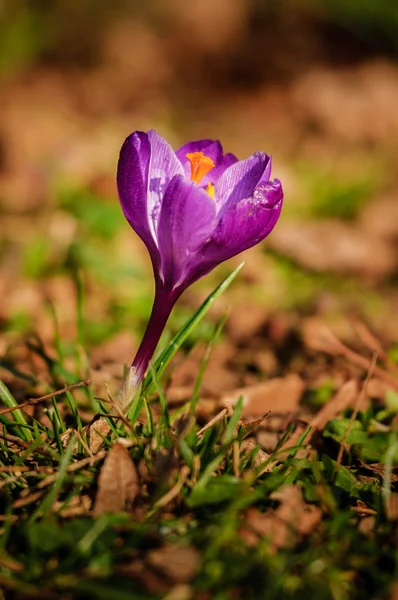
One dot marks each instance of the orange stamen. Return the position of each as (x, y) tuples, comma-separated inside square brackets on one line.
[(210, 190), (200, 165)]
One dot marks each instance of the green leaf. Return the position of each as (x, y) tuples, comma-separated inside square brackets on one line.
[(342, 477), (218, 489), (202, 368), (19, 417), (230, 430), (337, 429)]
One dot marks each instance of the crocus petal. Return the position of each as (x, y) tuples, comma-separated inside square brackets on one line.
[(186, 221), (214, 175), (245, 223), (163, 166), (132, 184), (240, 180), (265, 177)]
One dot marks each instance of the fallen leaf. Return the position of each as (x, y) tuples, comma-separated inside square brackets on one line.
[(362, 510), (245, 321), (11, 564), (218, 375), (335, 246), (78, 505), (380, 470), (268, 439), (392, 506), (344, 399), (118, 482), (114, 350), (364, 94), (279, 395), (367, 526), (294, 511), (181, 591), (380, 217), (394, 592), (249, 426), (180, 563), (284, 526), (318, 337), (260, 458), (96, 431)]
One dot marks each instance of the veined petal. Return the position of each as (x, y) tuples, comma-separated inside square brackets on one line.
[(265, 177), (187, 220), (240, 180), (132, 184), (245, 223), (164, 165), (214, 175)]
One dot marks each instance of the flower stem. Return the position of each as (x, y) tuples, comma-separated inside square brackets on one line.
[(161, 309)]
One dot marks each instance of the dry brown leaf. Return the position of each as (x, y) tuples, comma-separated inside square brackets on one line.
[(78, 505), (394, 592), (380, 217), (96, 431), (362, 510), (380, 470), (260, 458), (392, 506), (11, 564), (317, 336), (218, 376), (268, 439), (377, 388), (294, 511), (180, 563), (245, 321), (365, 95), (334, 246), (180, 591), (344, 399), (279, 395), (118, 482), (114, 350), (249, 427), (367, 526), (291, 520)]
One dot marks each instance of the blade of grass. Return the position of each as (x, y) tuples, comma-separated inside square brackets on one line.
[(195, 394), (75, 412), (57, 414), (46, 505), (389, 464), (9, 401), (207, 473), (57, 435), (230, 430), (162, 398), (149, 417), (31, 448)]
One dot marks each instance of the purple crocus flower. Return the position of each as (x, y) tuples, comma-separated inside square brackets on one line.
[(193, 209)]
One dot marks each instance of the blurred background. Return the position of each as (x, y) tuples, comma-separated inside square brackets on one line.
[(312, 82)]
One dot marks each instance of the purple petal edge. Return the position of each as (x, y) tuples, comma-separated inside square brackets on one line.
[(132, 184)]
